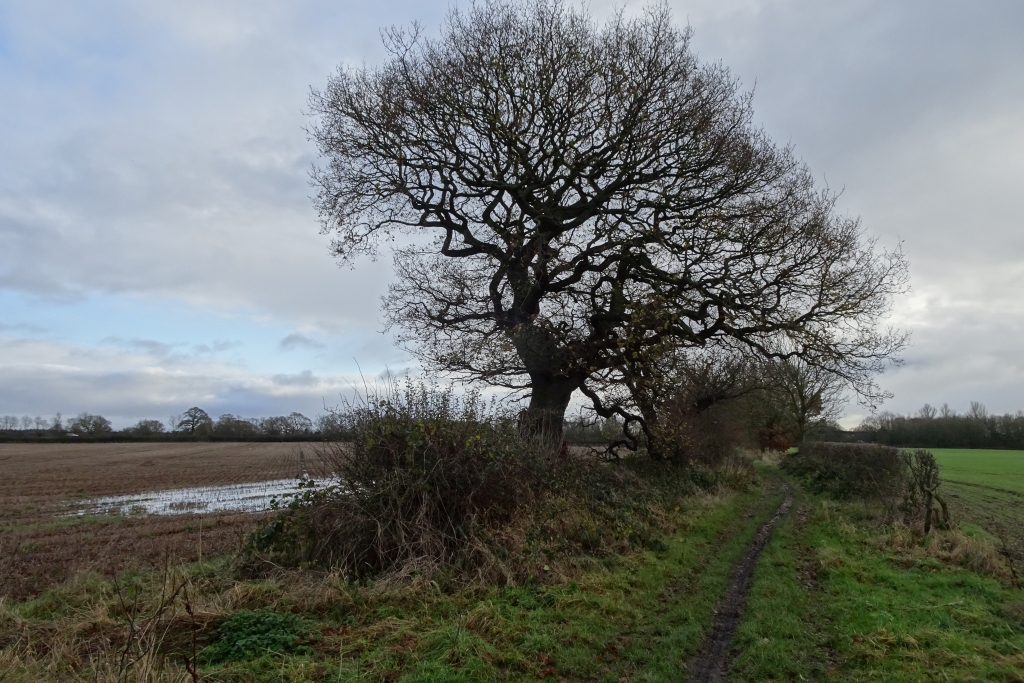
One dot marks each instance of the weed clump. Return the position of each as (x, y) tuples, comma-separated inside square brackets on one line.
[(248, 634)]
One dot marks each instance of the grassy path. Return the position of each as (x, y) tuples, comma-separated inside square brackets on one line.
[(712, 664), (834, 600), (637, 623)]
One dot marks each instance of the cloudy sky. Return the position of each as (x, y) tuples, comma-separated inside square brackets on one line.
[(158, 249)]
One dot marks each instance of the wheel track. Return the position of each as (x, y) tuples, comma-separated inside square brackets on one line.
[(711, 665)]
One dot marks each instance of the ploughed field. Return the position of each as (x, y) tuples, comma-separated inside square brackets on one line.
[(66, 508), (986, 487)]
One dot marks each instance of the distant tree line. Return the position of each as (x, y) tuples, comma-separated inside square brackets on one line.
[(194, 424), (709, 403), (767, 406), (943, 427)]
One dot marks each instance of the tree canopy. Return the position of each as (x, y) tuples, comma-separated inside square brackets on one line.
[(573, 196)]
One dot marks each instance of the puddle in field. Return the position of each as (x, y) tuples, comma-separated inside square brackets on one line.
[(251, 497)]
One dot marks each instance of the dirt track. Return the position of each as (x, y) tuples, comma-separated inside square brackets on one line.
[(711, 664)]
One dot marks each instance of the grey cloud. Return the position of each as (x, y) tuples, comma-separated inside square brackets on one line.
[(126, 397), (296, 340), (164, 349), (43, 378), (23, 327), (216, 346), (165, 181), (912, 109), (302, 379), (148, 346)]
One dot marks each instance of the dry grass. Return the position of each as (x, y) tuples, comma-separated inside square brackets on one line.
[(41, 547), (39, 556), (95, 630), (980, 554), (770, 457)]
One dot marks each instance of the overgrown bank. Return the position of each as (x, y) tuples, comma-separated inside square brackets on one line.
[(428, 486), (582, 619), (840, 593)]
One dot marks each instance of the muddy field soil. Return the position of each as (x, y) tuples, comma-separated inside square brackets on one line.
[(45, 539)]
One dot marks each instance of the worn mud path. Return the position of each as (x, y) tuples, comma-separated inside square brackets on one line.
[(711, 665)]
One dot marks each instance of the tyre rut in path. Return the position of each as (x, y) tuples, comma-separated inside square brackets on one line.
[(711, 664)]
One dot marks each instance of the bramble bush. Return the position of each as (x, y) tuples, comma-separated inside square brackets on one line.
[(419, 474), (429, 484)]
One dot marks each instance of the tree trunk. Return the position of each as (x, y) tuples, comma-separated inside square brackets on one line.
[(927, 512), (548, 402), (945, 513), (551, 380)]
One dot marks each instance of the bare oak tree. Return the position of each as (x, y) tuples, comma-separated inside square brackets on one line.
[(195, 420), (572, 194)]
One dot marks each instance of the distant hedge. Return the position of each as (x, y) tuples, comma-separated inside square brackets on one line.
[(907, 482), (848, 470)]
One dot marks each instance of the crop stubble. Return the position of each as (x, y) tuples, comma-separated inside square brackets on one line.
[(41, 546)]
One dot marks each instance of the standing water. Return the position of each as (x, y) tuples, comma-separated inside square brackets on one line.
[(251, 497)]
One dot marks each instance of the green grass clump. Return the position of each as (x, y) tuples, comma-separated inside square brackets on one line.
[(248, 634)]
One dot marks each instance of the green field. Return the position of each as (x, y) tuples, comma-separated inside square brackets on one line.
[(1003, 470), (986, 488)]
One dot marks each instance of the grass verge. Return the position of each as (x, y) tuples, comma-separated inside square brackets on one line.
[(634, 617)]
